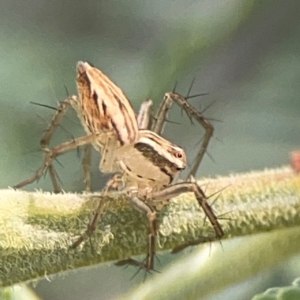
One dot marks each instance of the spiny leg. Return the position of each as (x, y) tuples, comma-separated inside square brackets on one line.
[(45, 141), (202, 239), (54, 178), (152, 217), (93, 223), (185, 187), (218, 193), (56, 120), (144, 117), (110, 185), (86, 164), (161, 116), (50, 155), (166, 194)]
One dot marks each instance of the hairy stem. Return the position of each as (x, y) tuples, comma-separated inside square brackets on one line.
[(36, 229)]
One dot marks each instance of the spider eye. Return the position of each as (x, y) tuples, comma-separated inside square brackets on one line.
[(178, 155)]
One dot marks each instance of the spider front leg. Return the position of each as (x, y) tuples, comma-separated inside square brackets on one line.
[(144, 117), (185, 187), (137, 204), (50, 155), (56, 120), (161, 116), (44, 143), (152, 218), (86, 164), (93, 223), (164, 196), (115, 183), (108, 145)]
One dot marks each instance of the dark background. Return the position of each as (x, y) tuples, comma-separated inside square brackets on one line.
[(245, 54)]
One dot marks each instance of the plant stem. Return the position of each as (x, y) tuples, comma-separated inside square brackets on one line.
[(36, 229)]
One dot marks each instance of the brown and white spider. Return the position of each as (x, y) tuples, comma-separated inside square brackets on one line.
[(146, 163)]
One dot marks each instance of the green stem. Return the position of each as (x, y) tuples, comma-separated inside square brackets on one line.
[(36, 229)]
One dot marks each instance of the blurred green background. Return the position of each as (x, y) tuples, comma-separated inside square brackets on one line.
[(245, 54)]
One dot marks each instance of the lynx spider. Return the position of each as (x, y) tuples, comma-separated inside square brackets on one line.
[(119, 135)]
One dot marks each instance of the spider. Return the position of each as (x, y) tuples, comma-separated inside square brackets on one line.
[(146, 164)]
